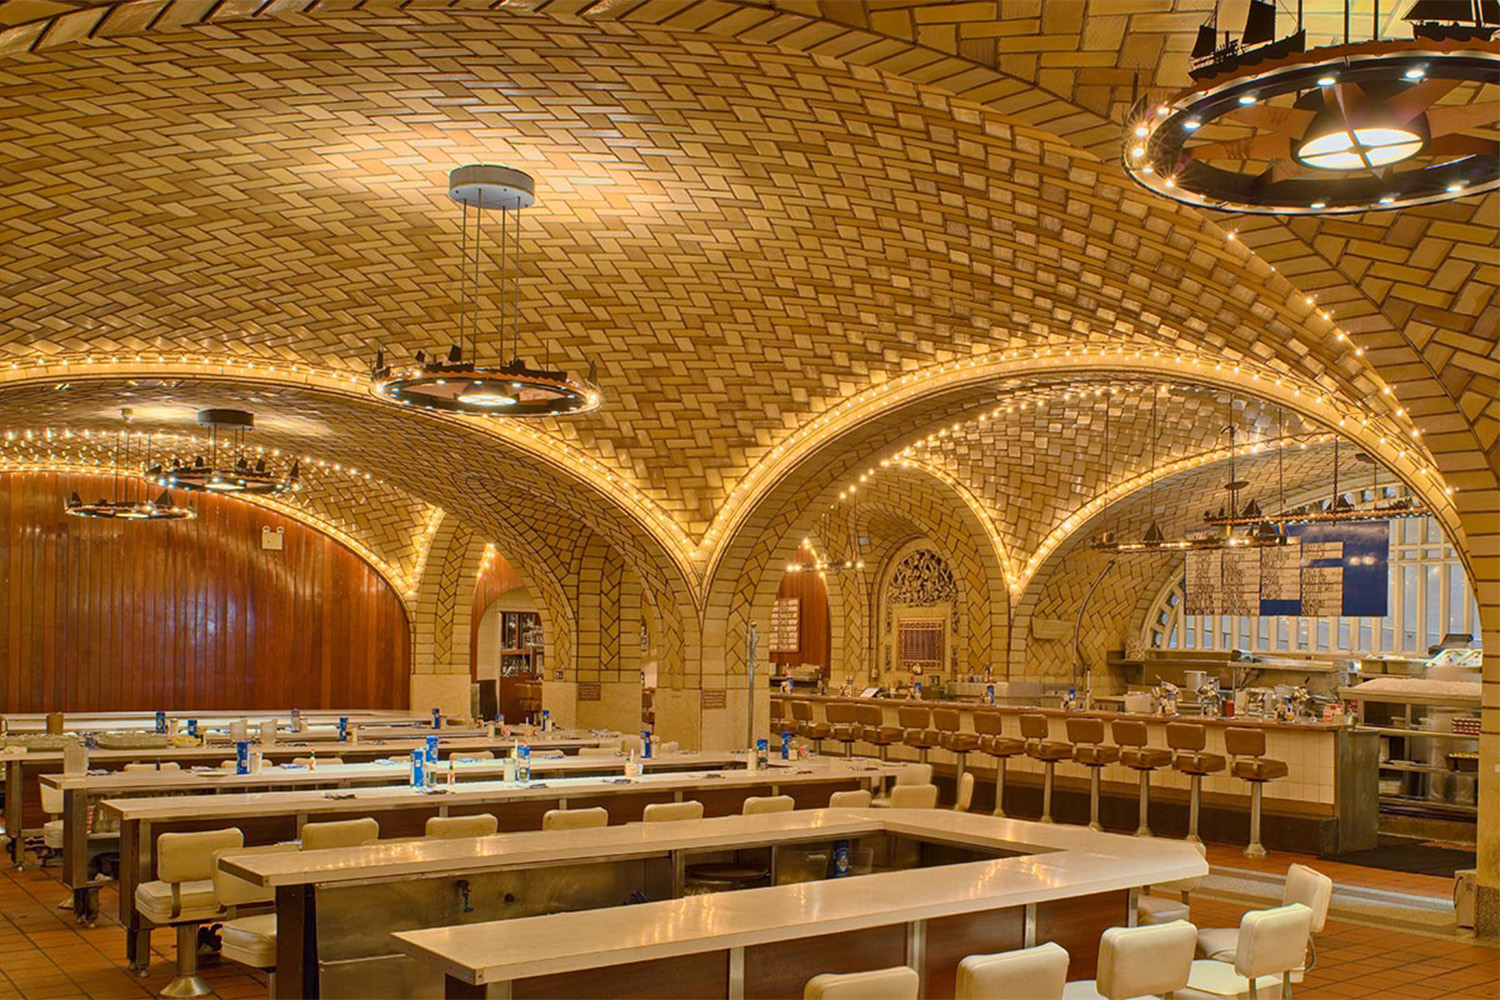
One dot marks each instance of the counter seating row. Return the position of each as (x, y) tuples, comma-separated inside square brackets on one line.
[(191, 891), (1147, 961), (924, 729)]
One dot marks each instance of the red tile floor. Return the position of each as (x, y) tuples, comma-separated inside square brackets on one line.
[(44, 954)]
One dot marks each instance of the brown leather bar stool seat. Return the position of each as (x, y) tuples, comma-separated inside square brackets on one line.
[(843, 724), (873, 730), (778, 718), (993, 741), (1090, 750), (1248, 748), (1187, 740), (1131, 737), (915, 731), (952, 738), (807, 726), (1036, 728)]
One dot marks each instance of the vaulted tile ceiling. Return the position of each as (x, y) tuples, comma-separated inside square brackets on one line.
[(758, 218)]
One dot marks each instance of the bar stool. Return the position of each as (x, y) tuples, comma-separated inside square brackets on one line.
[(1036, 727), (1131, 737), (778, 717), (672, 812), (989, 726), (458, 827), (1270, 946), (1248, 748), (1187, 740), (965, 795), (897, 983), (914, 797), (852, 799), (843, 724), (1090, 750), (346, 833), (1024, 974), (1138, 962), (183, 897), (807, 726), (1304, 885), (914, 721), (759, 805), (873, 730), (575, 819), (249, 939), (1151, 909), (951, 736)]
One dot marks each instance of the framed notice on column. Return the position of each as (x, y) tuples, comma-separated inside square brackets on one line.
[(786, 625)]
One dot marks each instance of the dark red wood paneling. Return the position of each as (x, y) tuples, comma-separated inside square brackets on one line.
[(813, 618), (131, 615)]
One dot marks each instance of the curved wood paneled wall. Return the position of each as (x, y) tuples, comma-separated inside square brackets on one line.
[(108, 615)]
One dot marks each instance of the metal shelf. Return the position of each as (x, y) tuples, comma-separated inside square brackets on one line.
[(1418, 733)]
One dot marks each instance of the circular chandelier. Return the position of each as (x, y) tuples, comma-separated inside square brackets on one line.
[(226, 467), (459, 384), (122, 508), (1269, 128)]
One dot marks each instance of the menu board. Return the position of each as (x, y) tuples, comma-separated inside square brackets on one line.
[(1323, 570), (1205, 569), (786, 625)]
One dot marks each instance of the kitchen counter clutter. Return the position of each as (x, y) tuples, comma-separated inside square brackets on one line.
[(1326, 801), (1006, 882)]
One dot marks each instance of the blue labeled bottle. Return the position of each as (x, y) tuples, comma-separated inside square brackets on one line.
[(242, 757), (523, 763), (418, 768), (432, 749), (437, 719), (786, 746), (343, 729), (645, 744), (161, 721)]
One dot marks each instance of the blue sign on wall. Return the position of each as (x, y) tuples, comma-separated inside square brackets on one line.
[(1362, 554), (1325, 570)]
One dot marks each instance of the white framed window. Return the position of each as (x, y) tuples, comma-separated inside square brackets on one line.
[(1429, 597)]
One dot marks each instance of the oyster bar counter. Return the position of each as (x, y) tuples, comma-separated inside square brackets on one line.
[(1325, 800)]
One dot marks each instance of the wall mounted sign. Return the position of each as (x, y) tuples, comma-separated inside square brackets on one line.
[(1324, 570), (786, 625), (713, 698)]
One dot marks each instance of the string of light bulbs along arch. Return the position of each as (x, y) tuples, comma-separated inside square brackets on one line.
[(773, 461)]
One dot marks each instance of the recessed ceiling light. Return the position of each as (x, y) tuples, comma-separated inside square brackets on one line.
[(1191, 124), (1247, 98), (1415, 73), (1319, 204), (1327, 81), (1456, 186), (1388, 199)]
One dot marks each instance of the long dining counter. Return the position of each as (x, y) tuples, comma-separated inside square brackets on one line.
[(273, 817), (1327, 801), (24, 815), (951, 883), (82, 835)]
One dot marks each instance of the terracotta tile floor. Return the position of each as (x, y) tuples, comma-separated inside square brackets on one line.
[(44, 955)]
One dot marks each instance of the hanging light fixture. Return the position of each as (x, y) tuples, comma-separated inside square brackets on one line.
[(1271, 127), (839, 534), (458, 382), (227, 467), (122, 508)]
